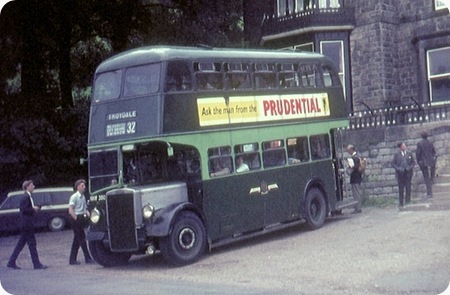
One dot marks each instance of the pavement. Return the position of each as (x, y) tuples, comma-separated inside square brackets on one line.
[(440, 199)]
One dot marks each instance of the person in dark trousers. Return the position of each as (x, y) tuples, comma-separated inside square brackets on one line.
[(403, 163), (80, 215), (426, 158), (355, 177), (27, 212)]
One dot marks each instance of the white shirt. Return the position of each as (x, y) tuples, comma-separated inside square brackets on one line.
[(78, 201)]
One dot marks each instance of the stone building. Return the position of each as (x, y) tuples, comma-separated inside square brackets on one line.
[(389, 53), (393, 57)]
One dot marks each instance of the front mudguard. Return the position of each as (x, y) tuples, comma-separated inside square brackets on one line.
[(163, 219)]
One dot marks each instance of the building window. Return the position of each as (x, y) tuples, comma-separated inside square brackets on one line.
[(328, 3), (439, 74), (440, 4), (335, 51), (281, 8)]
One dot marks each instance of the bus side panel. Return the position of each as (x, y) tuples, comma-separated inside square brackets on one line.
[(283, 202), (229, 208)]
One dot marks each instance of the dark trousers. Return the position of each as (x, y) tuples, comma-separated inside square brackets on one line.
[(404, 183), (428, 177), (79, 239), (26, 237)]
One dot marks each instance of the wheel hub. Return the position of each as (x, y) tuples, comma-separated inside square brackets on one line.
[(186, 239)]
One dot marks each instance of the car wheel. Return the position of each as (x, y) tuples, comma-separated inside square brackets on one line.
[(103, 255), (57, 223), (186, 241)]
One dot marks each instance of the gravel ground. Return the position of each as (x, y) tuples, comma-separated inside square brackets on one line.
[(381, 251)]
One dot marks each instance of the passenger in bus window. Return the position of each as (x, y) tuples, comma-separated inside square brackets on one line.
[(219, 168), (293, 157), (203, 82), (239, 81), (266, 80), (240, 165)]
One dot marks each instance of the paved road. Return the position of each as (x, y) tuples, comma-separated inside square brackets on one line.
[(381, 251)]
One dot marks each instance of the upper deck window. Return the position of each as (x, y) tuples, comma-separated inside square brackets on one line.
[(287, 76), (237, 76), (208, 76), (178, 77), (142, 80), (309, 75), (265, 75), (107, 85)]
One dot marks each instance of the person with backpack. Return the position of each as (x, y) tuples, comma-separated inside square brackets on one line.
[(354, 163), (403, 163)]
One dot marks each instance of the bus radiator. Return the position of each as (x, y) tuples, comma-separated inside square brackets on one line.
[(121, 222)]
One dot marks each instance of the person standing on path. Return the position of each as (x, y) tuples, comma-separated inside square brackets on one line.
[(403, 163), (27, 211), (355, 176), (425, 155), (80, 215)]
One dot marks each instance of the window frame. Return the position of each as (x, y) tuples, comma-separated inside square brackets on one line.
[(435, 77)]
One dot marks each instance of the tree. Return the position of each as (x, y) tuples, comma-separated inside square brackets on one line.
[(50, 49)]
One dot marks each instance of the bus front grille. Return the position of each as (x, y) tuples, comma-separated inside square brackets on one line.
[(121, 224)]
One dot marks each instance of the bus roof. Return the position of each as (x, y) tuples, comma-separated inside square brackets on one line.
[(150, 54)]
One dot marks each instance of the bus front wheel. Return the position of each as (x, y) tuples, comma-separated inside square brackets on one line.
[(315, 208), (103, 256), (186, 242)]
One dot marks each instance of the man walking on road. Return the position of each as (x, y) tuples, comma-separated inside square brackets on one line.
[(79, 213), (27, 211)]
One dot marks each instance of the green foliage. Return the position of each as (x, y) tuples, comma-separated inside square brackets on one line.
[(85, 57), (50, 49)]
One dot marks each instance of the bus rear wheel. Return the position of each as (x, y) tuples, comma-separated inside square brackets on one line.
[(316, 208), (103, 256), (186, 241)]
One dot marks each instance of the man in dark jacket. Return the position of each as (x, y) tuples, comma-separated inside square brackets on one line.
[(403, 163), (27, 211), (355, 176), (425, 155)]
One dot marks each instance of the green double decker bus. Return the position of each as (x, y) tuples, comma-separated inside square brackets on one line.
[(193, 148)]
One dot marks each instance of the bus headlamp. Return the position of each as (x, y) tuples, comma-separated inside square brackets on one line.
[(95, 216), (148, 211)]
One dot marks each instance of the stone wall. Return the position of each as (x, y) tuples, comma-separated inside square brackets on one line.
[(388, 50), (379, 146)]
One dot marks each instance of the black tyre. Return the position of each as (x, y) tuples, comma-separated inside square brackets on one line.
[(103, 256), (316, 208), (186, 242), (57, 223)]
